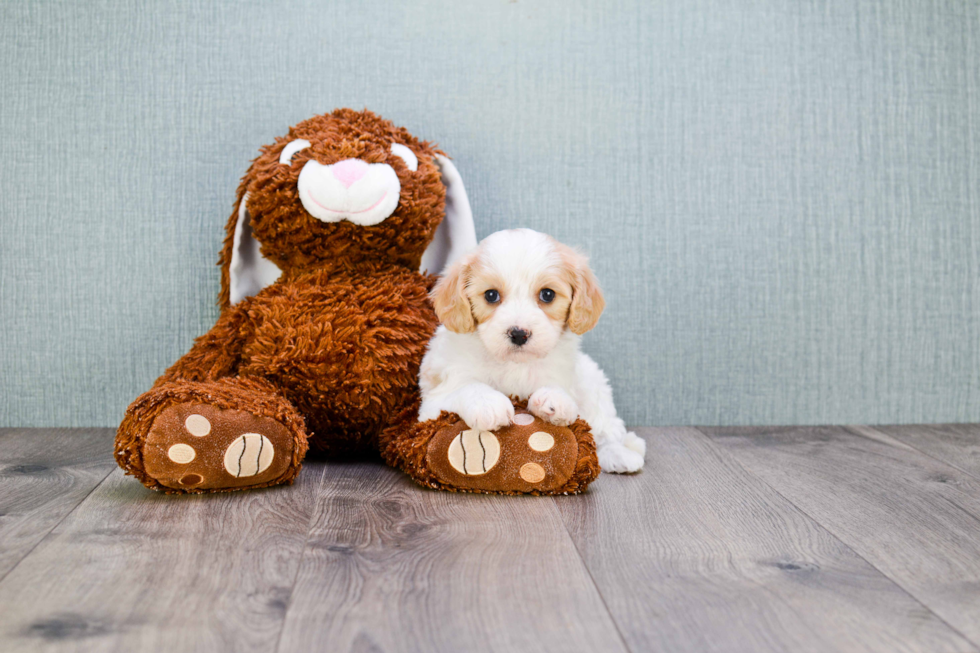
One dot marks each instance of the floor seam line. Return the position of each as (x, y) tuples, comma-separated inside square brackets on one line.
[(299, 563), (912, 446), (57, 524), (592, 580), (843, 543)]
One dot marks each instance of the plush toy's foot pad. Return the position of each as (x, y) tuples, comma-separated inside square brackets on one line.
[(197, 447), (529, 456)]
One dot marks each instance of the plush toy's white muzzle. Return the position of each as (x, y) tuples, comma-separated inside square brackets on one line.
[(352, 189)]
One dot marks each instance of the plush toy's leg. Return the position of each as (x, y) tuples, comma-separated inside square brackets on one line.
[(211, 436), (528, 457)]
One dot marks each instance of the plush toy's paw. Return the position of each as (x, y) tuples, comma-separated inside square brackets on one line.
[(527, 456), (620, 458), (553, 405), (196, 447), (488, 412)]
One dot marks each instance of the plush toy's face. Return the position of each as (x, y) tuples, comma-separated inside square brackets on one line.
[(345, 186)]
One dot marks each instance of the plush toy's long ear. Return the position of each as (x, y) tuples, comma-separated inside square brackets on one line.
[(244, 271), (456, 234)]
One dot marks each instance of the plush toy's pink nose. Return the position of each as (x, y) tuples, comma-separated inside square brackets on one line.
[(349, 170)]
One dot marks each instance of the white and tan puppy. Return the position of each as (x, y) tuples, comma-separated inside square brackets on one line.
[(513, 312)]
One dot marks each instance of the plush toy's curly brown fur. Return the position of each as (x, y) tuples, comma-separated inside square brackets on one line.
[(331, 350)]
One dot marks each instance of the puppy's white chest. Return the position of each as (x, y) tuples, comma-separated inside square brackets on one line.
[(522, 380)]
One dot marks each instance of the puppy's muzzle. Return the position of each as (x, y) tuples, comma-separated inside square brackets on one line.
[(518, 336)]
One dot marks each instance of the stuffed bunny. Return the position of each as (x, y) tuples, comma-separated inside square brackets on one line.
[(327, 264)]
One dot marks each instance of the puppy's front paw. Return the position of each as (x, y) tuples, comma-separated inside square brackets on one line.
[(636, 443), (488, 412), (553, 405), (619, 459)]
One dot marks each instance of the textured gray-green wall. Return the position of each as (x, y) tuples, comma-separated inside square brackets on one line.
[(782, 197)]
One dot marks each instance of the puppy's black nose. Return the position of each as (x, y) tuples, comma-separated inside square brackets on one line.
[(518, 336)]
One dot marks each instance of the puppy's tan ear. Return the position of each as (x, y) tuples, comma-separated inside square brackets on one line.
[(587, 299), (450, 300)]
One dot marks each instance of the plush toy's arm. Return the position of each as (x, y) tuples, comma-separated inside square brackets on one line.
[(217, 353)]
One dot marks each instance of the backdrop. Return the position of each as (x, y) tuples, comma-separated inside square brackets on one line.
[(781, 197)]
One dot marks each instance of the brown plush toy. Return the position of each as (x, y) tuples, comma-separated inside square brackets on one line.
[(325, 317)]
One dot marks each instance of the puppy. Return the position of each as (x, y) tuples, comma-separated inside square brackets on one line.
[(513, 312)]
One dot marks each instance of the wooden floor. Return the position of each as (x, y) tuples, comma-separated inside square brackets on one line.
[(732, 539)]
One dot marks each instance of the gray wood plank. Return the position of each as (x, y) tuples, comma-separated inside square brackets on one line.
[(697, 554), (44, 475), (914, 518), (393, 567), (955, 444), (134, 570)]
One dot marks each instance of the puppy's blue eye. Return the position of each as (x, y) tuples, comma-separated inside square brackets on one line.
[(492, 296), (547, 295)]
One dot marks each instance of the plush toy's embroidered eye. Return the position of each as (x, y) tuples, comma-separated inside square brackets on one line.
[(547, 295), (492, 296), (286, 158), (405, 155)]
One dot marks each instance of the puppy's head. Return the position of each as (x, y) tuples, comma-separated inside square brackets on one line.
[(519, 290)]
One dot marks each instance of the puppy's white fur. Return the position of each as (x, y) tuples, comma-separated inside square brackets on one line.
[(472, 366)]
